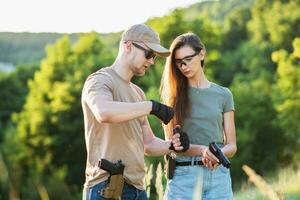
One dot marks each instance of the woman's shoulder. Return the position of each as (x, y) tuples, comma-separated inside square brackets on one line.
[(220, 89)]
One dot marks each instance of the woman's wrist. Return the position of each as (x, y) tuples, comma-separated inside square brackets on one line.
[(201, 150)]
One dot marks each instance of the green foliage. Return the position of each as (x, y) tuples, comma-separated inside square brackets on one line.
[(235, 30), (28, 48), (215, 10), (275, 23), (170, 27), (50, 125), (25, 48), (13, 91), (259, 139), (287, 96)]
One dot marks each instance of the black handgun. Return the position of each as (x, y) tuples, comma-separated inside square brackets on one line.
[(219, 154), (112, 168)]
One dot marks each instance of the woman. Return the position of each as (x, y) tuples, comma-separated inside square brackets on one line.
[(205, 110)]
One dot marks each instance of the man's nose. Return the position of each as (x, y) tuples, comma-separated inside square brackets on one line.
[(152, 61)]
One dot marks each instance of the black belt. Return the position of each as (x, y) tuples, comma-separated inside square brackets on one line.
[(188, 163)]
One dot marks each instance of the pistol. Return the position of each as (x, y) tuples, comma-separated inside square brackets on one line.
[(112, 168), (219, 154)]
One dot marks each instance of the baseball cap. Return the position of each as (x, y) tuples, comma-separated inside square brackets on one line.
[(143, 33)]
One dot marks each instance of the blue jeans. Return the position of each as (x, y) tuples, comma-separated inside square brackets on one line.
[(199, 182), (129, 192)]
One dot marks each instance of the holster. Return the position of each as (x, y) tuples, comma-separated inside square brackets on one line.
[(170, 166), (114, 188)]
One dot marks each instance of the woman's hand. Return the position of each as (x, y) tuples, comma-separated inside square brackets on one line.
[(209, 159)]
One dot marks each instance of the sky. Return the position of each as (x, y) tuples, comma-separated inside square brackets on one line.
[(70, 16)]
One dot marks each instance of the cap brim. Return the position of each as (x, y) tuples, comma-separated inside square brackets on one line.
[(158, 49)]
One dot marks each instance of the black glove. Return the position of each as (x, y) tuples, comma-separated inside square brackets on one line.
[(162, 111), (184, 140)]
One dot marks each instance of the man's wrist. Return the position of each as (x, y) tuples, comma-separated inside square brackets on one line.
[(149, 106)]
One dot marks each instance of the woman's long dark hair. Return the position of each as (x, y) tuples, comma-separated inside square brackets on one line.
[(174, 85)]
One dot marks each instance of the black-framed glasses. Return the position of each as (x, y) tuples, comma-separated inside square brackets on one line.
[(185, 60), (148, 53)]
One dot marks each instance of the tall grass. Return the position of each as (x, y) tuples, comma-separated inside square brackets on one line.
[(286, 182)]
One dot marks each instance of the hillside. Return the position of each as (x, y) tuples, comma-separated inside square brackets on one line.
[(26, 48)]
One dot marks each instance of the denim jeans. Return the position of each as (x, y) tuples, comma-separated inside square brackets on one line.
[(129, 192), (199, 182)]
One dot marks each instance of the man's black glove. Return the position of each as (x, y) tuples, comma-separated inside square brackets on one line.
[(184, 140), (162, 111)]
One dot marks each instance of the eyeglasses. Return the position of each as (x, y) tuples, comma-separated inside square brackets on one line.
[(148, 53), (185, 60)]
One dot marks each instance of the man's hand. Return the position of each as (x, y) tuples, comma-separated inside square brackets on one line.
[(162, 111), (180, 140)]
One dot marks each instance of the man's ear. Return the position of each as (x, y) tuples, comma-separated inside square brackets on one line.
[(127, 46), (202, 54)]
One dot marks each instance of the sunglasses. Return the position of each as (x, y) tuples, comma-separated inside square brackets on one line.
[(185, 60), (148, 53)]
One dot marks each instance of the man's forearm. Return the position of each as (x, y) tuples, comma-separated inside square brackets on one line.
[(114, 112), (157, 147)]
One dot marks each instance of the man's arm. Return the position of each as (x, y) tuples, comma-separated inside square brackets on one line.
[(154, 146), (99, 98), (106, 110)]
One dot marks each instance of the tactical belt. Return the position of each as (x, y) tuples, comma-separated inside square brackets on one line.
[(188, 163)]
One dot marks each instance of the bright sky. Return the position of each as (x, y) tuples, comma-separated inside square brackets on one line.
[(81, 15)]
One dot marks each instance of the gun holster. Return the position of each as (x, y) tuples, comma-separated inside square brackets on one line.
[(170, 166), (114, 188)]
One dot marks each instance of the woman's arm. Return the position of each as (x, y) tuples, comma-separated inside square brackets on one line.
[(230, 147)]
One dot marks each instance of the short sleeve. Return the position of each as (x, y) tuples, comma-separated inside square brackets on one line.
[(95, 85), (228, 101)]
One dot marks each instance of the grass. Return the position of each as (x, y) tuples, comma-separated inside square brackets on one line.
[(287, 182)]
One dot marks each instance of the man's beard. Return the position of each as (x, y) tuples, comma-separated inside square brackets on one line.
[(139, 71)]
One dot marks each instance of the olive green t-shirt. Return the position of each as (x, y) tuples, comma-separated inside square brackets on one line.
[(205, 123)]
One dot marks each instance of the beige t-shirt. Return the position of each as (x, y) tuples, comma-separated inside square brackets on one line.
[(112, 141)]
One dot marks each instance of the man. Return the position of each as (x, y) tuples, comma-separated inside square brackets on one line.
[(115, 117)]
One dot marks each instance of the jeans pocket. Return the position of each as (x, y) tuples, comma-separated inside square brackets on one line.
[(95, 191), (224, 169)]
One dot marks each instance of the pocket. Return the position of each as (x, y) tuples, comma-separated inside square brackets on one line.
[(224, 169), (95, 192)]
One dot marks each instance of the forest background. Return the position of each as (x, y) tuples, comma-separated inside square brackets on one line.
[(253, 47)]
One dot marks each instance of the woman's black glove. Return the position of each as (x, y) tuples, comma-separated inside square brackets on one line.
[(162, 111)]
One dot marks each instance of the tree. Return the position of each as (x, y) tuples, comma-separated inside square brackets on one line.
[(51, 123), (13, 92), (275, 23), (287, 97), (259, 139)]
